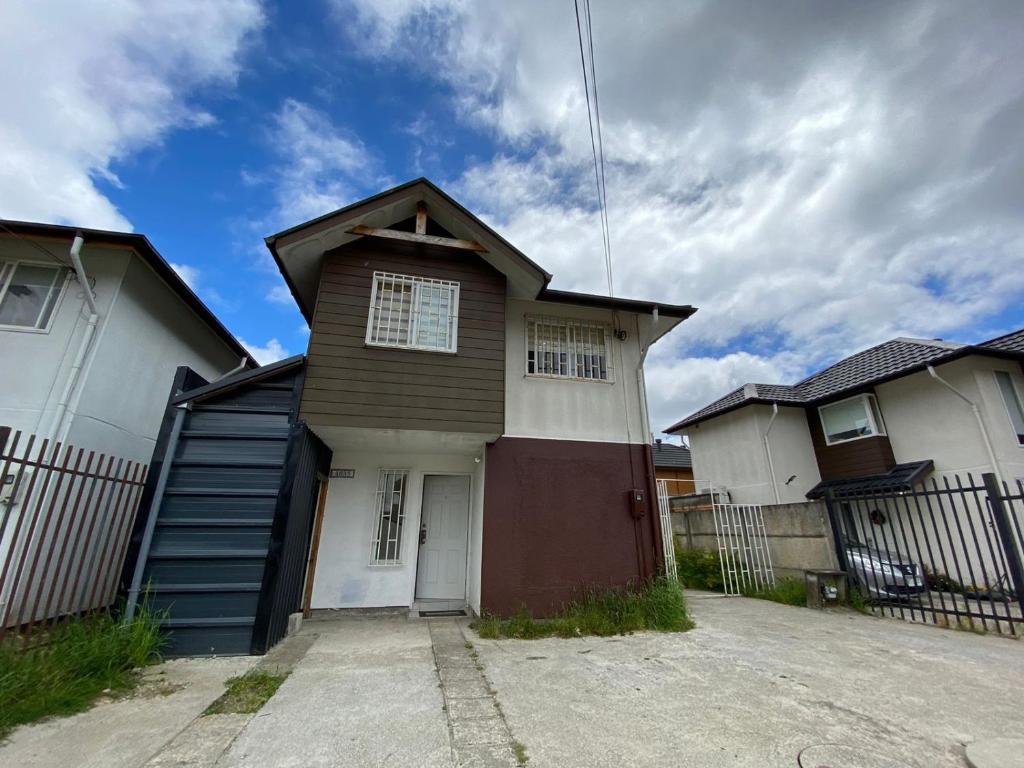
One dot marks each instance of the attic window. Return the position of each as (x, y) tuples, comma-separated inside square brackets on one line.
[(413, 313), (851, 419)]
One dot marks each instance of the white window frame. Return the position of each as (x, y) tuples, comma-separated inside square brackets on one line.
[(577, 324), (1006, 405), (374, 321), (378, 519), (870, 403), (59, 284)]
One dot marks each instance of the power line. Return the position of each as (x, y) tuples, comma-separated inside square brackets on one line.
[(37, 245), (596, 139)]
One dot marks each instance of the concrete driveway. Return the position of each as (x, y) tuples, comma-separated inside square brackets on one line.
[(755, 684)]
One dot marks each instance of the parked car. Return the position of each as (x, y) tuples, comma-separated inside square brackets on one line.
[(885, 575)]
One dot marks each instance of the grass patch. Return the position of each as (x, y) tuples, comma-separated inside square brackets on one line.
[(64, 670), (658, 606), (246, 694), (788, 591), (520, 749), (700, 569)]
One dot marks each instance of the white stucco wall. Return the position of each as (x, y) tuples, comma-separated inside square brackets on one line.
[(145, 331), (150, 332), (36, 364), (566, 409), (344, 577), (728, 451), (927, 421)]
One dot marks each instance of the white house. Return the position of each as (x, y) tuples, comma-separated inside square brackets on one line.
[(905, 408), (91, 332)]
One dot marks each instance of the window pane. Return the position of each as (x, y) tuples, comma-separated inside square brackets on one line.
[(846, 420), (1013, 404), (30, 297), (566, 348), (390, 516), (413, 312)]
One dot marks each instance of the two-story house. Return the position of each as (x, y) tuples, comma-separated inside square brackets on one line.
[(93, 325), (490, 435), (895, 413)]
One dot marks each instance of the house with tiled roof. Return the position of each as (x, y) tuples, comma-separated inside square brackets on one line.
[(673, 468), (889, 415)]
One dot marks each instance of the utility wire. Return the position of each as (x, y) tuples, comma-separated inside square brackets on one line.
[(37, 245), (596, 142)]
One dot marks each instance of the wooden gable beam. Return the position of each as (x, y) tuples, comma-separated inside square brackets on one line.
[(421, 218), (417, 237)]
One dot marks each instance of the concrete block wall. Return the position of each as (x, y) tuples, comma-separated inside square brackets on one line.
[(799, 534)]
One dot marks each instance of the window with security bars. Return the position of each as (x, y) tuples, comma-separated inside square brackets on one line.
[(386, 547), (567, 348), (413, 313)]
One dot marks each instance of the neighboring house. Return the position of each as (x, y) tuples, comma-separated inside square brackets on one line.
[(93, 369), (672, 463), (904, 408), (487, 437)]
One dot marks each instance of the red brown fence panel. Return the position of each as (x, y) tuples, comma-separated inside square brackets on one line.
[(65, 517)]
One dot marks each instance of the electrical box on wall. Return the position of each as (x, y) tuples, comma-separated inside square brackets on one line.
[(637, 502)]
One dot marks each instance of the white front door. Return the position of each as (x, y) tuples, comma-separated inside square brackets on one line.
[(444, 533)]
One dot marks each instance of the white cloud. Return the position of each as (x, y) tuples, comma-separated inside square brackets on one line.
[(270, 352), (88, 84), (189, 274), (814, 178), (280, 294)]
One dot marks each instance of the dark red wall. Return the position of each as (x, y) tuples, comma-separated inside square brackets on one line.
[(557, 520)]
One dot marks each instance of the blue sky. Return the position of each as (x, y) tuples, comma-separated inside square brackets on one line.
[(814, 177)]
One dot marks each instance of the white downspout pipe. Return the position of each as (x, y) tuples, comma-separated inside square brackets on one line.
[(87, 337), (977, 415), (237, 369), (768, 452)]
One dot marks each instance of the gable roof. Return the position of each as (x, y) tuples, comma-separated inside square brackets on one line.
[(884, 362), (299, 249), (140, 245), (671, 456)]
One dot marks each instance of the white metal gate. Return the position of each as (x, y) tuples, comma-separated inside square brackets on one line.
[(742, 547), (667, 541)]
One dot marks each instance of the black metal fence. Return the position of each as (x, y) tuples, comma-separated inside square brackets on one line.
[(65, 514), (946, 552)]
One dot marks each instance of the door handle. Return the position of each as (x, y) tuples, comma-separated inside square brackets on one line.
[(423, 535)]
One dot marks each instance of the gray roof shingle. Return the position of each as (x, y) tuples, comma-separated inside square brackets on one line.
[(670, 456), (883, 362)]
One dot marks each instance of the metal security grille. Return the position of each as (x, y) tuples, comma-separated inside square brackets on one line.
[(565, 348), (386, 548), (945, 553), (667, 544), (413, 313), (742, 547)]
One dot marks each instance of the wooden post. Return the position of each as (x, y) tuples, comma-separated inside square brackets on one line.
[(421, 218)]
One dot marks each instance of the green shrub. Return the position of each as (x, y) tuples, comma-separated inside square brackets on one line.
[(699, 569), (787, 590), (658, 606), (64, 670)]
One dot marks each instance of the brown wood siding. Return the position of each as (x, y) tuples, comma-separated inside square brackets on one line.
[(856, 458), (349, 384), (678, 481)]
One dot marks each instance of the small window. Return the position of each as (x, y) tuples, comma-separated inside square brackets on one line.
[(567, 349), (1013, 405), (851, 419), (389, 505), (413, 313), (29, 293)]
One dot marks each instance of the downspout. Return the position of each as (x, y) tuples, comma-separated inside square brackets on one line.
[(977, 415), (237, 369), (87, 337), (641, 384), (768, 452)]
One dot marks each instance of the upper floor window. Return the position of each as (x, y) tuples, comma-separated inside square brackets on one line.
[(851, 419), (29, 293), (413, 313), (566, 348), (1013, 406)]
